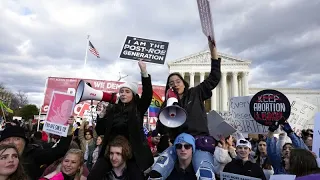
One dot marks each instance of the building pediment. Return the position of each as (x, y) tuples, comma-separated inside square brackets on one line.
[(203, 57)]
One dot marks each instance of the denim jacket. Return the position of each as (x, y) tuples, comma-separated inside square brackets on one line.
[(274, 151)]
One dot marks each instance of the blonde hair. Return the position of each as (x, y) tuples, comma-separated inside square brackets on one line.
[(80, 154)]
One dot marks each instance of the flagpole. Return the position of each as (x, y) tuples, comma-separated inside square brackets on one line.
[(4, 115), (44, 94), (86, 56)]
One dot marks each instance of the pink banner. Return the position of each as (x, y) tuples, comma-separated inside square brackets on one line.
[(61, 107), (69, 85), (60, 110)]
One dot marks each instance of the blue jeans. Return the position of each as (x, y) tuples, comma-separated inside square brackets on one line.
[(202, 162)]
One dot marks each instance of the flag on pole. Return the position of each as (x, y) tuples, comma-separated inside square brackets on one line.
[(155, 105), (93, 50), (4, 107)]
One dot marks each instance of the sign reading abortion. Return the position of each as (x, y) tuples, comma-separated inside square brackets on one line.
[(148, 50), (269, 106)]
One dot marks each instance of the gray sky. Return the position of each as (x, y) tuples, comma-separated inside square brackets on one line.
[(46, 38)]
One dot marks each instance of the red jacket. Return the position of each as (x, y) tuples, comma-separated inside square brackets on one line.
[(152, 146), (44, 136)]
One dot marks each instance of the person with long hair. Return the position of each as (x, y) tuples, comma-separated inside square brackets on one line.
[(33, 158), (88, 137), (70, 168), (96, 151), (303, 164), (192, 101), (276, 153), (262, 159), (126, 119), (10, 165)]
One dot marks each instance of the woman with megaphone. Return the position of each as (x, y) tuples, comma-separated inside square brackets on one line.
[(126, 119), (192, 101)]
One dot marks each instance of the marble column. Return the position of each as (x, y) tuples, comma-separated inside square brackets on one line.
[(240, 86), (234, 84), (191, 79), (224, 91), (182, 74), (202, 74), (214, 99), (245, 80)]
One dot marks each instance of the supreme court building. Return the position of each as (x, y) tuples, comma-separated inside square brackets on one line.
[(234, 79)]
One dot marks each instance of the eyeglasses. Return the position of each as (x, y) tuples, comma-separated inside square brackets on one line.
[(186, 146), (88, 134), (172, 83)]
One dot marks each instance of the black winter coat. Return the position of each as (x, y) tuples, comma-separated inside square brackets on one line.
[(237, 166), (193, 102), (34, 157), (127, 121)]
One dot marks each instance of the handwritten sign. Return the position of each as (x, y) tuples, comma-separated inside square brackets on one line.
[(241, 118), (152, 51), (205, 18), (60, 109), (302, 115), (269, 106), (230, 176)]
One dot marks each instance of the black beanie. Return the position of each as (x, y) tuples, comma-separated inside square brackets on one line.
[(13, 131)]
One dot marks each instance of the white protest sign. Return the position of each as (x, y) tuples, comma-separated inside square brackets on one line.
[(152, 51), (230, 176), (241, 118), (206, 18), (218, 126), (282, 177), (302, 114), (316, 135)]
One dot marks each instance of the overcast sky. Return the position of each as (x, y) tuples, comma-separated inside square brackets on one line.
[(41, 38)]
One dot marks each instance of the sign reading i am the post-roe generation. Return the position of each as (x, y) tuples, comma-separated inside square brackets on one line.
[(148, 50), (269, 106)]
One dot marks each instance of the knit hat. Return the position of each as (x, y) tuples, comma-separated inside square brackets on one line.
[(244, 142), (13, 131), (131, 85), (185, 138), (155, 133)]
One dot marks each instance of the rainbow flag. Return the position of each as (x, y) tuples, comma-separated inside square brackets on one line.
[(155, 105)]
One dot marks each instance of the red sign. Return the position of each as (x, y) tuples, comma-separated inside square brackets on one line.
[(69, 85)]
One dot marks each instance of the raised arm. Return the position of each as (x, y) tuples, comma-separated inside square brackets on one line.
[(297, 142), (205, 87), (81, 131), (146, 96), (273, 151), (48, 156)]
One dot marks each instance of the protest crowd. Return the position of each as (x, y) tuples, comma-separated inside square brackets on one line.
[(117, 146)]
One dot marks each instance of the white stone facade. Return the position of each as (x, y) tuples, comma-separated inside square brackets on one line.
[(234, 79)]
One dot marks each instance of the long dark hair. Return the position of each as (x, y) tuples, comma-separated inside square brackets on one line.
[(19, 174), (186, 84), (302, 162), (160, 127), (266, 163), (186, 87)]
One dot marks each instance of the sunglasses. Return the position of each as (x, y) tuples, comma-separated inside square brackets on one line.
[(243, 142), (186, 146)]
